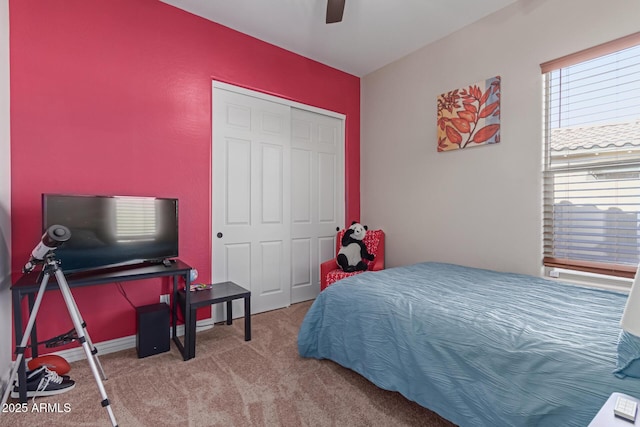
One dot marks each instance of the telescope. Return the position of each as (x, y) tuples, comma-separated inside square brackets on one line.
[(55, 236), (43, 253)]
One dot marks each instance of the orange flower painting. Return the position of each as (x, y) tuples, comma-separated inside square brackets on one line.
[(470, 116)]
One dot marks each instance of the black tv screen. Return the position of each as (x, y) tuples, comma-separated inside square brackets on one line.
[(108, 231)]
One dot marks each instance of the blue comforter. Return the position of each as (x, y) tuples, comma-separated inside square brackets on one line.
[(479, 347)]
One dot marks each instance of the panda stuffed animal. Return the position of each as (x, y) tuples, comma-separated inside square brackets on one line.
[(353, 249)]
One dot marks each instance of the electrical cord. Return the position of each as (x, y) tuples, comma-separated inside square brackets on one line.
[(179, 313), (124, 293)]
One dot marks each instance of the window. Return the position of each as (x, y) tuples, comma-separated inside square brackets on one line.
[(592, 159)]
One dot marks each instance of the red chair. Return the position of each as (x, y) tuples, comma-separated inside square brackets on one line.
[(330, 272)]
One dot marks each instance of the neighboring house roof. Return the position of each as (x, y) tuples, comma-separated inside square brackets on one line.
[(615, 135)]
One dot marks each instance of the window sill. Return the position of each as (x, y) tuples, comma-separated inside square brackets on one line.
[(592, 280)]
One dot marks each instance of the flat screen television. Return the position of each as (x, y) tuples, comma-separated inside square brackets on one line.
[(110, 231)]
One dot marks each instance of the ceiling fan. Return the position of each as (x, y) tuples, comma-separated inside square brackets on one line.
[(335, 8)]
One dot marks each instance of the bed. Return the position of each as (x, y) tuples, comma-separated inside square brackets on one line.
[(479, 347)]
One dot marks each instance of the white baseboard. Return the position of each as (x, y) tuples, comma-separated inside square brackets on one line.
[(119, 344)]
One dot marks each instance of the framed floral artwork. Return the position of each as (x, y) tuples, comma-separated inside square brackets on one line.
[(470, 116)]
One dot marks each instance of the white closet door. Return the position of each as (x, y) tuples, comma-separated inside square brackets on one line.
[(317, 197), (278, 195), (251, 201)]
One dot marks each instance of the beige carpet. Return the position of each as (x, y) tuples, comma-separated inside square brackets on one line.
[(230, 382)]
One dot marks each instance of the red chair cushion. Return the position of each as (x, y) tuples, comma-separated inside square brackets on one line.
[(335, 275)]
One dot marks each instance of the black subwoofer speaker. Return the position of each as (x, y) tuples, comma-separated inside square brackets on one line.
[(153, 329)]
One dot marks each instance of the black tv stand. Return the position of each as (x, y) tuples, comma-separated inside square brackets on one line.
[(29, 284)]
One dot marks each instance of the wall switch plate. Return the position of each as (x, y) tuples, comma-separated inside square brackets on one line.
[(164, 299)]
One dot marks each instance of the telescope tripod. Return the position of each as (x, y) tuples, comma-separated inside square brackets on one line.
[(51, 265)]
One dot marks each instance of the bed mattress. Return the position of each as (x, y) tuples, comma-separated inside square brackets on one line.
[(479, 347)]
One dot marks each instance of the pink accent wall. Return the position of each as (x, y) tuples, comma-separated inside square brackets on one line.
[(114, 97)]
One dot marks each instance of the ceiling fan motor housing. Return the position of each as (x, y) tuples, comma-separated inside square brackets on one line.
[(335, 9)]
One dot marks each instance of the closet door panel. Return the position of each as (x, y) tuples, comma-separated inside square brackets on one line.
[(251, 201), (317, 196)]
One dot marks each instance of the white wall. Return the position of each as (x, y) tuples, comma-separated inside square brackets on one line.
[(479, 206), (5, 197)]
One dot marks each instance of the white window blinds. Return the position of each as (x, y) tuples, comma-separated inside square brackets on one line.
[(135, 219), (592, 161)]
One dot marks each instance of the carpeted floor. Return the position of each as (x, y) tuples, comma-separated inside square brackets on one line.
[(230, 382)]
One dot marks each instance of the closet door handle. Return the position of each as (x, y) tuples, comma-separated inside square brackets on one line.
[(219, 235)]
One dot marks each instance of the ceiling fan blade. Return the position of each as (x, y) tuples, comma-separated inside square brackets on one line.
[(335, 8)]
